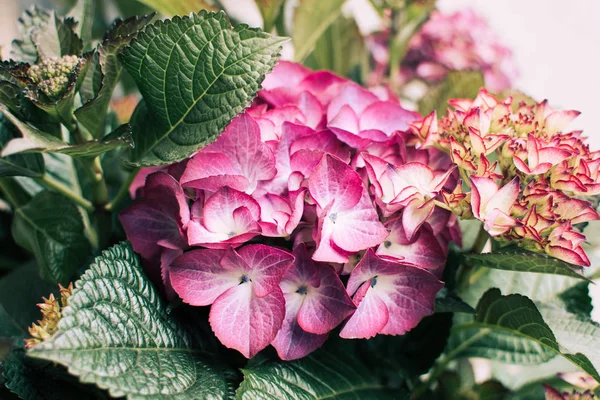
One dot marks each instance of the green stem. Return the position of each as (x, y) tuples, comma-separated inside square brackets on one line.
[(102, 218), (123, 192), (441, 365), (464, 272), (50, 183)]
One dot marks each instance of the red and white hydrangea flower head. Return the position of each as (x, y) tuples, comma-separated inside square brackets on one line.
[(329, 171), (527, 178)]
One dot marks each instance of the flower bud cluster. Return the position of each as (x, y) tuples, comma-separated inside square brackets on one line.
[(52, 75), (51, 313)]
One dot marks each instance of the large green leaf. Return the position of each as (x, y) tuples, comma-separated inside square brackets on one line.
[(56, 38), (23, 49), (116, 332), (575, 333), (511, 329), (92, 114), (51, 227), (195, 73), (179, 7), (20, 291), (36, 141), (21, 164), (325, 374), (523, 262), (311, 19), (541, 288), (458, 84)]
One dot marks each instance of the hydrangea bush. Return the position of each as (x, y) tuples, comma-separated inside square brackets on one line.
[(205, 219)]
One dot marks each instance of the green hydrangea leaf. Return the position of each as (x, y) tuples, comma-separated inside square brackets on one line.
[(117, 333), (21, 164), (103, 75), (23, 49), (51, 227), (325, 374), (195, 73), (457, 85), (56, 38), (311, 19), (524, 262), (511, 329), (36, 141)]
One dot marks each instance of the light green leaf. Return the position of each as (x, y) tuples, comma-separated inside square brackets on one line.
[(511, 329), (269, 9), (458, 84), (324, 374), (51, 227), (36, 141), (340, 49), (116, 332), (20, 291), (574, 333), (20, 164), (92, 114), (195, 73), (179, 7), (311, 19), (524, 262), (56, 38), (23, 49)]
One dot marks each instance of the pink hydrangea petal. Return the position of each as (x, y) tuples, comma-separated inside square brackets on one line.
[(211, 171), (386, 117), (312, 110), (414, 215), (219, 208), (245, 322), (352, 96), (324, 141), (146, 225), (268, 265), (370, 317), (140, 179), (345, 121), (198, 278), (285, 74), (333, 182), (357, 228), (558, 121), (504, 198), (407, 293), (324, 85), (292, 342), (326, 306), (240, 144), (423, 251)]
